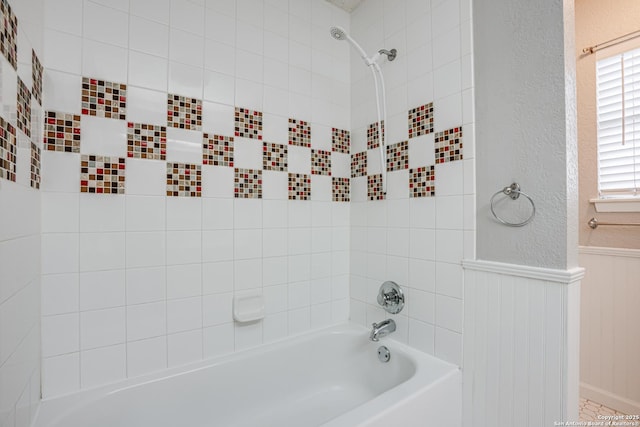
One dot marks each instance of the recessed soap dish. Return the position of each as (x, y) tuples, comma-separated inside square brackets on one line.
[(248, 306)]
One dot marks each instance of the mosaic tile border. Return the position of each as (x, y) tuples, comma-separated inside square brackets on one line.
[(373, 135), (247, 184), (299, 133), (299, 186), (398, 156), (341, 189), (36, 74), (374, 187), (422, 182), (61, 132), (184, 180), (36, 155), (146, 141), (24, 108), (101, 98), (358, 164), (340, 140), (9, 34), (8, 150), (184, 112), (102, 174), (248, 123), (275, 157), (448, 145), (420, 120), (320, 162), (217, 150)]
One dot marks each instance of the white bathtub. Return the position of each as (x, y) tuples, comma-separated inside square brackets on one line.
[(329, 378)]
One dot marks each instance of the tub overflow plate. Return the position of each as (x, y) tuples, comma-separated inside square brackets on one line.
[(383, 354)]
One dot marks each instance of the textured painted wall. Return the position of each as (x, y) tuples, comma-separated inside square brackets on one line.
[(596, 22), (522, 131)]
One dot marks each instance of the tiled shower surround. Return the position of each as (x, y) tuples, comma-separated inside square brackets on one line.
[(232, 140)]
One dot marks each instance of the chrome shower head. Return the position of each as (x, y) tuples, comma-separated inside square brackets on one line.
[(338, 33)]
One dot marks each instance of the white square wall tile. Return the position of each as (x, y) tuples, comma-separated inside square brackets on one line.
[(247, 335), (145, 249), (340, 165), (102, 251), (184, 247), (184, 314), (146, 177), (105, 24), (185, 347), (275, 327), (60, 334), (448, 346), (449, 313), (217, 309), (60, 293), (421, 336), (275, 271), (146, 106), (102, 289), (247, 213), (148, 71), (104, 61), (185, 80), (148, 36), (450, 246), (103, 365), (60, 375), (218, 340), (247, 153), (186, 48), (299, 159), (449, 178), (146, 285), (217, 277), (99, 328), (62, 91), (275, 185), (422, 275), (219, 88), (247, 244), (60, 253), (218, 245), (247, 274), (184, 281), (184, 146), (145, 213), (146, 321), (62, 172), (275, 214), (107, 137), (184, 213), (146, 356), (449, 212), (218, 118), (217, 182), (101, 214), (217, 214), (63, 52)]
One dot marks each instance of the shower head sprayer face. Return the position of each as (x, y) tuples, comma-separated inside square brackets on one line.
[(338, 33)]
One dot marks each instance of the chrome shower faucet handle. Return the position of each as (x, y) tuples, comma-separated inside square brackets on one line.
[(391, 297)]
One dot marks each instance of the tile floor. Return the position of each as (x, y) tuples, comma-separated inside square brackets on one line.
[(590, 410)]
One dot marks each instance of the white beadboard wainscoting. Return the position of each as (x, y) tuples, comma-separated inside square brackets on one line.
[(610, 328), (520, 345)]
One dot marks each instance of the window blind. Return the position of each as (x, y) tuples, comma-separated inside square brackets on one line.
[(618, 100)]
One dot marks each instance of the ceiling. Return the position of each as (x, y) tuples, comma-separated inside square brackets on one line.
[(348, 5)]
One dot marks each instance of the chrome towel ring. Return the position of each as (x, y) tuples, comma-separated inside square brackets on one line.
[(514, 192)]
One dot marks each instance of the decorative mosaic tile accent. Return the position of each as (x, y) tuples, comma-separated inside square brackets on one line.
[(184, 180), (24, 108), (448, 145), (275, 157), (247, 184), (374, 187), (340, 140), (62, 132), (104, 99), (217, 150), (299, 186), (146, 141), (341, 188), (422, 182), (35, 166), (184, 113), (359, 164), (320, 162), (299, 133), (8, 149), (373, 135), (421, 120), (36, 74), (398, 156), (596, 412), (248, 123), (102, 174), (8, 34)]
